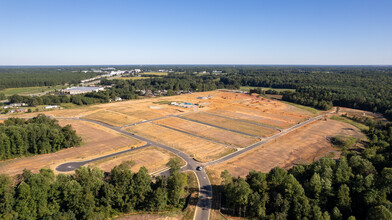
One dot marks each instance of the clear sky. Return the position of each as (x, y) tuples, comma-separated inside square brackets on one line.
[(78, 32)]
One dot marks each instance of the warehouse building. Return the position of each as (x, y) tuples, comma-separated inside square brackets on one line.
[(81, 90)]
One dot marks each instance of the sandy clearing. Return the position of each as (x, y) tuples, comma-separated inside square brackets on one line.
[(97, 141), (152, 158), (112, 118), (202, 149), (210, 132), (232, 124), (305, 144)]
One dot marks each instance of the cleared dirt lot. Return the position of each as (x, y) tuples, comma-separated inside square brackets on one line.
[(232, 124), (202, 149), (210, 132), (97, 141), (112, 118), (152, 158), (303, 145)]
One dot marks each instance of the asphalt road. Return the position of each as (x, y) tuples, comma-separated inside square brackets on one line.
[(66, 167), (188, 133), (249, 122), (227, 129)]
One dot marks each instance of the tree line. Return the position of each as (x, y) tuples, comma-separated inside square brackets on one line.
[(28, 77), (90, 193), (361, 87), (357, 186), (128, 89), (39, 135)]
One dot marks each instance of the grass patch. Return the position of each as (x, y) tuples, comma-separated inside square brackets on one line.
[(164, 102), (303, 107), (30, 90), (154, 73), (192, 198), (69, 105), (247, 88), (344, 142), (362, 127)]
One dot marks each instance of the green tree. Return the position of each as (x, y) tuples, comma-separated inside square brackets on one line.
[(24, 203), (379, 213)]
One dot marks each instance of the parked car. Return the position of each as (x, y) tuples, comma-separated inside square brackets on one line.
[(199, 168)]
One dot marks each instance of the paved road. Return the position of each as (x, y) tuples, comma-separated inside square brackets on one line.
[(192, 134), (66, 167), (249, 122), (145, 121), (227, 129)]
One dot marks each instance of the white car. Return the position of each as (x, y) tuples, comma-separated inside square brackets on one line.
[(199, 168)]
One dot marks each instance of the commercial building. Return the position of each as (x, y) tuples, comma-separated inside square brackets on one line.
[(81, 90)]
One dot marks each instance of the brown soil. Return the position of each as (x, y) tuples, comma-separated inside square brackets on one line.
[(112, 118), (202, 149), (361, 113), (210, 132), (97, 141), (152, 158), (303, 145), (232, 124)]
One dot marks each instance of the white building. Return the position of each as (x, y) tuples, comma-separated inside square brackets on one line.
[(81, 90), (50, 107)]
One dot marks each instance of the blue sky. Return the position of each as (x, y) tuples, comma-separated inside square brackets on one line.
[(78, 32)]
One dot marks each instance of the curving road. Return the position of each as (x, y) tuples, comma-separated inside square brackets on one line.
[(70, 166)]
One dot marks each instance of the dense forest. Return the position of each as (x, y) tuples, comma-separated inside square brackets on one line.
[(357, 186), (39, 135), (34, 76), (90, 193)]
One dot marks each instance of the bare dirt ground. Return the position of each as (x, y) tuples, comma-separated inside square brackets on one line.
[(361, 113), (303, 145), (97, 141), (152, 158), (232, 124), (112, 118), (202, 149), (210, 132)]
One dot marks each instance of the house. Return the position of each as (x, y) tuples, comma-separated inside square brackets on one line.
[(21, 110)]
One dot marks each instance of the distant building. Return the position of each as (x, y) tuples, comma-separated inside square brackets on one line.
[(21, 110), (81, 90), (108, 68), (138, 70), (50, 107)]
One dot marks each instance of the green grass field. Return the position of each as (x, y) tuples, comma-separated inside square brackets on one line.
[(30, 90), (362, 127), (247, 88), (154, 73), (303, 107)]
